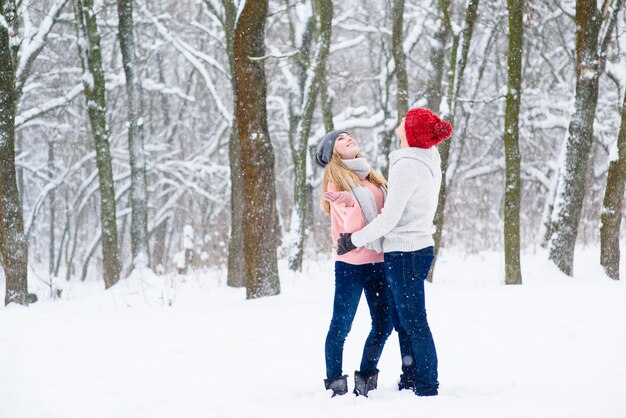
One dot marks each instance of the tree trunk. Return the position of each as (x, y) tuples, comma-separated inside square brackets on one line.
[(257, 153), (399, 59), (402, 81), (513, 273), (63, 243), (159, 254), (94, 88), (545, 231), (437, 61), (612, 206), (455, 80), (299, 154), (13, 242), (327, 104), (297, 100), (51, 243), (571, 188), (236, 276), (138, 191), (236, 258)]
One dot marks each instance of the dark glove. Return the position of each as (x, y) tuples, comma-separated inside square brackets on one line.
[(344, 244)]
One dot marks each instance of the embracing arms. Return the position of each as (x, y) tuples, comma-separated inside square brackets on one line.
[(402, 184)]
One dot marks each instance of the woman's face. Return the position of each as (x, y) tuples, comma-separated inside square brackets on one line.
[(346, 146)]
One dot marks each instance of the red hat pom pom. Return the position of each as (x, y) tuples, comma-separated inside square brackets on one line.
[(443, 130)]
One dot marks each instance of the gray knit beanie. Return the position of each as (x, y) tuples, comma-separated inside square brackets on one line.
[(325, 148)]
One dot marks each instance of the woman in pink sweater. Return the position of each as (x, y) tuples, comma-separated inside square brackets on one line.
[(353, 195)]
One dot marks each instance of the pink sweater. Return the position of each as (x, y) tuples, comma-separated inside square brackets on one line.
[(350, 219)]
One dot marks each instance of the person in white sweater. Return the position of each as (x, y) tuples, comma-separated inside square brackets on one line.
[(406, 226)]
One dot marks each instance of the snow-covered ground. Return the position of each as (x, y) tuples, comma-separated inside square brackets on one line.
[(553, 347)]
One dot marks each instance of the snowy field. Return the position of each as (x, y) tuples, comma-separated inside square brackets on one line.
[(554, 347)]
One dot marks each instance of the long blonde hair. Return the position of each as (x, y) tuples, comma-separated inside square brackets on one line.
[(337, 172)]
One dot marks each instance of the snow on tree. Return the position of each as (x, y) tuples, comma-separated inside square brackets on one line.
[(90, 54), (570, 192), (13, 243), (185, 64), (612, 207), (301, 118), (138, 188)]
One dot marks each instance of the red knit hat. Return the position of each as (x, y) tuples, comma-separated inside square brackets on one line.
[(424, 129)]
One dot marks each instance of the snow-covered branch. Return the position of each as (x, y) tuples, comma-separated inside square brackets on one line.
[(348, 43), (194, 56), (35, 112), (34, 43), (154, 87), (277, 56)]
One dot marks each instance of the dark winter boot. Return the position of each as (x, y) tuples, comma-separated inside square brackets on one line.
[(406, 382), (364, 382), (339, 385)]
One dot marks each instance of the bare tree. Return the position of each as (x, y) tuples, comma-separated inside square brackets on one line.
[(399, 59), (13, 242), (570, 192), (52, 246), (236, 257), (513, 273), (612, 206), (138, 192), (188, 91), (94, 88), (257, 153), (310, 83), (455, 80), (236, 260), (402, 81), (434, 90)]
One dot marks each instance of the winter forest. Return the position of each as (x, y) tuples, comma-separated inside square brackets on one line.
[(166, 147)]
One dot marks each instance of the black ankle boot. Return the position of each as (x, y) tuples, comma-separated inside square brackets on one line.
[(364, 382), (339, 385), (406, 382)]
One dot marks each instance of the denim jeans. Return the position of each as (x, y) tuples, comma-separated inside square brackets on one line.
[(406, 272), (350, 281)]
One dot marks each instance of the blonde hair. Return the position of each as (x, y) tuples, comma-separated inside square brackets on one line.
[(338, 173)]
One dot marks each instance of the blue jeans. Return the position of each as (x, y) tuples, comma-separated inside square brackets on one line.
[(406, 272), (350, 281)]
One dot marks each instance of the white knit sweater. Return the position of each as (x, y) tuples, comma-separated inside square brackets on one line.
[(406, 221)]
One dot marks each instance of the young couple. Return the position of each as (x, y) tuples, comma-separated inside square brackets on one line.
[(385, 252)]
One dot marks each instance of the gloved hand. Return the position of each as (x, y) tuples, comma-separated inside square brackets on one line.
[(340, 197), (344, 244)]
